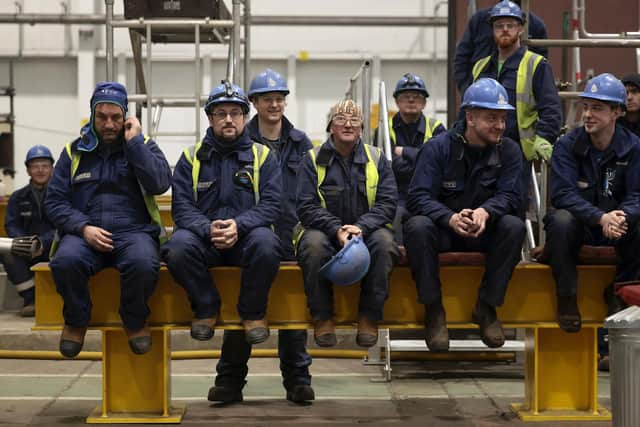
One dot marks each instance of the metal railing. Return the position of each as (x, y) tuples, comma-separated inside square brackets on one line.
[(362, 80), (384, 138)]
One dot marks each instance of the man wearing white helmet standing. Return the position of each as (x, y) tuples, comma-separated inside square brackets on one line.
[(595, 189), (464, 197), (271, 128), (26, 216), (345, 189)]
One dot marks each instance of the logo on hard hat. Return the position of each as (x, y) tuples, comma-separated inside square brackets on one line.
[(594, 88), (271, 82), (504, 10), (501, 100)]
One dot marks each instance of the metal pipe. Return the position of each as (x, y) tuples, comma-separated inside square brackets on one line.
[(582, 13), (524, 6), (247, 43), (230, 69), (166, 100), (544, 193), (569, 95), (349, 92), (352, 21), (19, 8), (584, 43), (198, 82), (5, 245), (575, 35), (536, 191), (384, 121), (172, 24), (149, 83), (236, 36), (177, 133), (366, 103), (109, 36), (67, 29)]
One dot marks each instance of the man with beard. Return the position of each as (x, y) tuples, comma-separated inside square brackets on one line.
[(464, 197), (26, 217), (631, 118), (226, 194), (477, 42), (595, 188), (101, 200), (271, 128), (535, 122), (345, 190)]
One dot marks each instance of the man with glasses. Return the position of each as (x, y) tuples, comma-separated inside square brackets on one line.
[(478, 42), (226, 195), (271, 128), (26, 216), (346, 188), (408, 130), (535, 122)]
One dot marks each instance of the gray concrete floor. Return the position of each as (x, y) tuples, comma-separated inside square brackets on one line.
[(37, 392)]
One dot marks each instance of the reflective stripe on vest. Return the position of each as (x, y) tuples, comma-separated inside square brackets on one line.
[(260, 153), (430, 126), (526, 107), (149, 199)]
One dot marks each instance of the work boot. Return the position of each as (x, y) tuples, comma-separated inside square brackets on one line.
[(484, 315), (139, 340), (436, 334), (367, 332), (603, 364), (72, 340), (255, 331), (301, 393), (324, 333), (28, 310), (568, 314), (224, 394), (202, 329)]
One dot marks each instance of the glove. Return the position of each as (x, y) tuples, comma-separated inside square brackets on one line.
[(542, 148)]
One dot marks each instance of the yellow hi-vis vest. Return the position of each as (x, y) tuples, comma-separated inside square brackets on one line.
[(526, 111), (149, 200), (260, 153), (371, 182), (430, 126)]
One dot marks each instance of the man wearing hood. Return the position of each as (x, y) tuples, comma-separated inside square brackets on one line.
[(464, 197), (226, 195), (101, 201)]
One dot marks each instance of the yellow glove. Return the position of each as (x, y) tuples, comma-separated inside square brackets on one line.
[(542, 148)]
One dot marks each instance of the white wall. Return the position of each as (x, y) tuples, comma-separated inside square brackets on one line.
[(49, 77)]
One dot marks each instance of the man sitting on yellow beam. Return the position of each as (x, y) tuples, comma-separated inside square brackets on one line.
[(227, 192), (464, 197)]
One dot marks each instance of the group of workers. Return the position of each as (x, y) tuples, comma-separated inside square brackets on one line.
[(253, 193)]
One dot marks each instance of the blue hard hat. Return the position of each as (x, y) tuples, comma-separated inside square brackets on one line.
[(226, 93), (486, 93), (268, 81), (605, 87), (506, 9), (349, 265), (410, 82), (111, 93), (38, 152)]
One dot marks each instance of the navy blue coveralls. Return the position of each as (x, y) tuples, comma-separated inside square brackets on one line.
[(451, 176), (292, 343), (26, 216), (547, 105), (477, 42), (189, 253), (344, 190), (409, 136), (105, 192)]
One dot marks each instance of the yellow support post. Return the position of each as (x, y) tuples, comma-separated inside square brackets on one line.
[(561, 376), (136, 389)]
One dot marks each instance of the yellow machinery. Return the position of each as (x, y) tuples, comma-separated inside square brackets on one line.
[(560, 368)]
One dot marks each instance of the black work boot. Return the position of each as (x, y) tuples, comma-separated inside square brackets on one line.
[(256, 331), (484, 315), (202, 329), (569, 318), (72, 340), (436, 333), (300, 393), (224, 394), (139, 340)]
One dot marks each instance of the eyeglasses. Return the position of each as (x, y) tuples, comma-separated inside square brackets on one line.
[(504, 25), (342, 120), (407, 96), (222, 115)]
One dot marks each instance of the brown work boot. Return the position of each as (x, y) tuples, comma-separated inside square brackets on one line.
[(367, 332), (484, 315), (139, 340), (436, 334), (72, 340), (202, 329), (324, 333), (28, 310), (255, 331), (569, 318)]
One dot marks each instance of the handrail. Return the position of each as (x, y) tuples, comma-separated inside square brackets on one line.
[(383, 122)]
